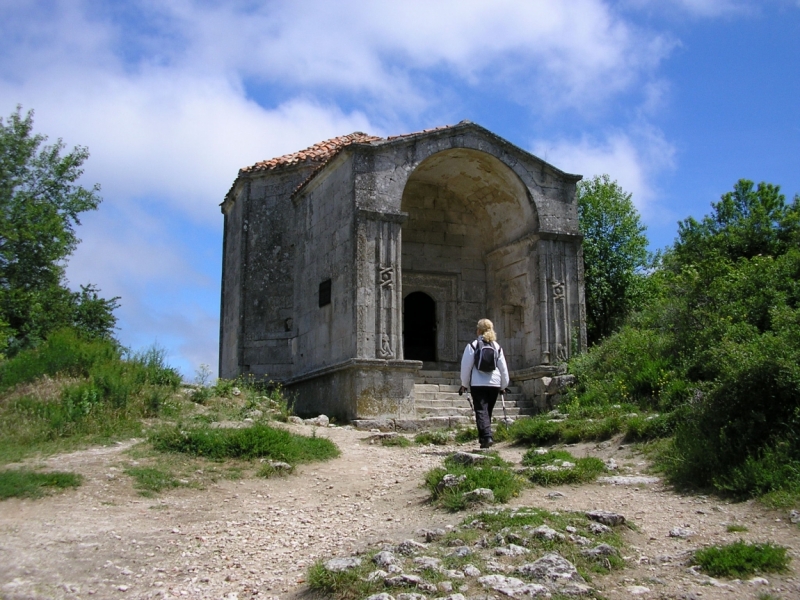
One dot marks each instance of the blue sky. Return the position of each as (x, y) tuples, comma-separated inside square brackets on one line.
[(676, 99)]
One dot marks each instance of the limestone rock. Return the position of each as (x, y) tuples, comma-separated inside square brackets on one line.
[(431, 535), (794, 516), (471, 571), (468, 458), (409, 547), (411, 596), (461, 551), (320, 421), (552, 568), (599, 528), (338, 565), (511, 550), (295, 420), (384, 558), (450, 480), (479, 495), (601, 550), (681, 532), (427, 562), (544, 532), (513, 587), (605, 517), (381, 596), (404, 579)]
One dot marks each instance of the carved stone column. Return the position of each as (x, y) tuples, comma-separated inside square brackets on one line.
[(379, 295)]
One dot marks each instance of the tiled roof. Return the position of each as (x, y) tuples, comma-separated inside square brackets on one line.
[(318, 154)]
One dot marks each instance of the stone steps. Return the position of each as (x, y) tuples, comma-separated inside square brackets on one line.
[(437, 399)]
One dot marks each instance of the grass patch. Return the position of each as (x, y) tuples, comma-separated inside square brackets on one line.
[(440, 437), (736, 529), (558, 467), (493, 473), (258, 441), (397, 440), (24, 483), (741, 559), (152, 480)]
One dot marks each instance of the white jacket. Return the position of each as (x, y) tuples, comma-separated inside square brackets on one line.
[(497, 378)]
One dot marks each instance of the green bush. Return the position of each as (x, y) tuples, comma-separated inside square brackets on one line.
[(741, 559), (258, 441), (435, 438), (150, 480)]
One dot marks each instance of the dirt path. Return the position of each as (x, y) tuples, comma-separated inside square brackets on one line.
[(256, 537)]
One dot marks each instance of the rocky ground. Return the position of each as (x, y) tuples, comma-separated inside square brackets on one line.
[(256, 537)]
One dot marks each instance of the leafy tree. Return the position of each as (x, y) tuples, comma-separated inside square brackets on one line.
[(40, 201), (615, 254)]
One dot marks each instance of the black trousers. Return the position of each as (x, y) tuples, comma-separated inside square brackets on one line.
[(484, 399)]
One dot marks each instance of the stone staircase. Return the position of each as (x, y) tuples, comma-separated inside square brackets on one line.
[(436, 394)]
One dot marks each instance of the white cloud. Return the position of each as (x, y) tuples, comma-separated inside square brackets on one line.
[(633, 158), (699, 8)]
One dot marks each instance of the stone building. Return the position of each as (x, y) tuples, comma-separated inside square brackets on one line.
[(354, 271)]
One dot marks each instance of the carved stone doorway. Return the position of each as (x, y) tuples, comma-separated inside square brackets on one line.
[(419, 327)]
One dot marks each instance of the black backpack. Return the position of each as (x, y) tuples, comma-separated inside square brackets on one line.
[(486, 356)]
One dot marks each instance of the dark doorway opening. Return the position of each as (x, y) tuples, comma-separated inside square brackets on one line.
[(419, 327)]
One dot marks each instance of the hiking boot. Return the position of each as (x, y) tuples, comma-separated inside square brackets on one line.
[(487, 443)]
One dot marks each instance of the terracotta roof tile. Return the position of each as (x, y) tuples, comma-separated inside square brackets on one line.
[(318, 154)]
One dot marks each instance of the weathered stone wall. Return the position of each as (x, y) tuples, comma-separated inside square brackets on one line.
[(324, 225), (231, 298)]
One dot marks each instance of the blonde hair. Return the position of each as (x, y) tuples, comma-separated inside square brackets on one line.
[(486, 329)]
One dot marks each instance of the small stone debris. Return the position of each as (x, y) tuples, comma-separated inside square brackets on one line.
[(605, 517), (758, 581), (379, 574), (479, 495), (468, 458), (339, 565), (381, 596), (580, 540), (450, 480), (279, 465), (637, 590), (554, 495), (551, 568), (628, 480), (295, 420), (411, 596), (680, 532), (794, 517)]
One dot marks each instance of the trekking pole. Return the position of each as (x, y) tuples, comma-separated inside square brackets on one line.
[(503, 401)]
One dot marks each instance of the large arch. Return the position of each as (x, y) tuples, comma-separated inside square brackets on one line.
[(467, 240)]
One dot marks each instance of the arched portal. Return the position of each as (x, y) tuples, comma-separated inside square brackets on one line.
[(419, 327), (470, 219)]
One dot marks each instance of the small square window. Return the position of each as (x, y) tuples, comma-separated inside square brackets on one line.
[(325, 293)]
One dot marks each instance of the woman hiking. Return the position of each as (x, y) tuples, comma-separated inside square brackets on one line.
[(484, 373)]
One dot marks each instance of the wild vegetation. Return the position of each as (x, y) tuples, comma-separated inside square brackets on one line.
[(714, 348)]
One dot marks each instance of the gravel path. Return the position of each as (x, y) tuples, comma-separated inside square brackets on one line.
[(256, 537)]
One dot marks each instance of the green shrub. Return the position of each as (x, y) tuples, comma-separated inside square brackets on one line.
[(470, 434), (644, 428), (24, 483), (258, 441), (397, 440), (741, 559)]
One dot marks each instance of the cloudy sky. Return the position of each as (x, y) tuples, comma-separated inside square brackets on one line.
[(676, 99)]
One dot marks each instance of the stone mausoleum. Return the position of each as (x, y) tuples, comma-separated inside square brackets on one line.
[(354, 272)]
